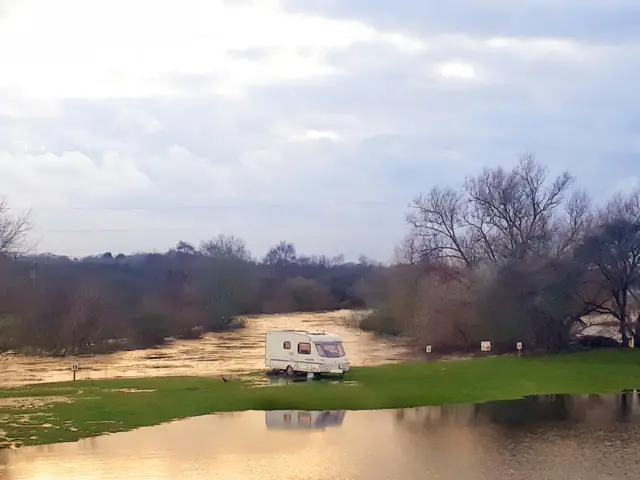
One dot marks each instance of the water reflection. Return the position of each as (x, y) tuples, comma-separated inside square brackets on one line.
[(533, 412), (301, 420), (274, 380), (549, 437)]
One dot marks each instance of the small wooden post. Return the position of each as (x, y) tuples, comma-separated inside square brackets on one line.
[(519, 347), (74, 368)]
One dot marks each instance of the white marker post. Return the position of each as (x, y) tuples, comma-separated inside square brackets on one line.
[(519, 346), (428, 349), (74, 368), (485, 346)]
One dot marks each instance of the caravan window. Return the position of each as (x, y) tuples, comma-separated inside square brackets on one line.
[(330, 350), (286, 345), (304, 348)]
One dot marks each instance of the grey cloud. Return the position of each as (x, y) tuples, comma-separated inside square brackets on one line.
[(597, 20), (405, 130)]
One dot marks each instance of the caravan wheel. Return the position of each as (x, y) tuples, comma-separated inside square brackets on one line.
[(289, 371)]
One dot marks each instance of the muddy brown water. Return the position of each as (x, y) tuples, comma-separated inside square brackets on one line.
[(234, 352), (547, 437)]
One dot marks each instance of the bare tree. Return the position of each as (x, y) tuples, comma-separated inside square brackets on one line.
[(503, 230), (496, 216), (576, 223), (516, 208), (14, 230), (613, 257), (284, 253), (226, 246), (408, 252), (185, 248), (622, 206), (438, 223)]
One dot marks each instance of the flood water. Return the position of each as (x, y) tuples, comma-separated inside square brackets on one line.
[(232, 352), (548, 437)]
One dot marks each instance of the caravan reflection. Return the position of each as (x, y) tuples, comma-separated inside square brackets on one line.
[(300, 419)]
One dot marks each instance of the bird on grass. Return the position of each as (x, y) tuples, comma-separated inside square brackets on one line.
[(224, 379)]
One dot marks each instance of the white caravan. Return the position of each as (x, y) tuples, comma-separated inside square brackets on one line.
[(299, 351)]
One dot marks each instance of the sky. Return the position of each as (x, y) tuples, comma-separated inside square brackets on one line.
[(126, 126)]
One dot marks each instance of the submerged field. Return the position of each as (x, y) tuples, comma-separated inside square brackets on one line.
[(69, 411)]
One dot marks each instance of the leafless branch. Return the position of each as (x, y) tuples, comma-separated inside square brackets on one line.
[(14, 230)]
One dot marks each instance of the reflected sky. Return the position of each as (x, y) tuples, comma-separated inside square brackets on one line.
[(551, 437)]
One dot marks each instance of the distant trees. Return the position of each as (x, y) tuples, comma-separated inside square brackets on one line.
[(298, 294), (513, 255), (226, 246), (56, 305)]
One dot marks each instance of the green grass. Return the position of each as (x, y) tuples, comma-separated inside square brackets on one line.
[(94, 408)]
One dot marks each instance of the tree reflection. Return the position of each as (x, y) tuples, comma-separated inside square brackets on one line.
[(624, 405), (527, 413)]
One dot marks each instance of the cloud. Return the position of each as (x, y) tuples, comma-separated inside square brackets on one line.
[(588, 20), (129, 126), (124, 49)]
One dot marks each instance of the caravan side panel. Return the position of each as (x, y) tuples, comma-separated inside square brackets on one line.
[(280, 348), (285, 349)]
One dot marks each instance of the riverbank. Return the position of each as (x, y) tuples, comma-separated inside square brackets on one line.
[(60, 412)]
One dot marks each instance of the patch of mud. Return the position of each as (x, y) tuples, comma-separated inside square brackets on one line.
[(32, 402), (348, 383), (278, 381), (13, 444), (69, 426), (456, 357), (159, 356), (24, 419), (6, 442), (131, 390)]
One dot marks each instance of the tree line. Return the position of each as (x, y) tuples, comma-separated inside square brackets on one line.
[(58, 305), (512, 255)]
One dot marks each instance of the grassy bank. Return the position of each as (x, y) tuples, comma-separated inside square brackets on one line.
[(69, 411)]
